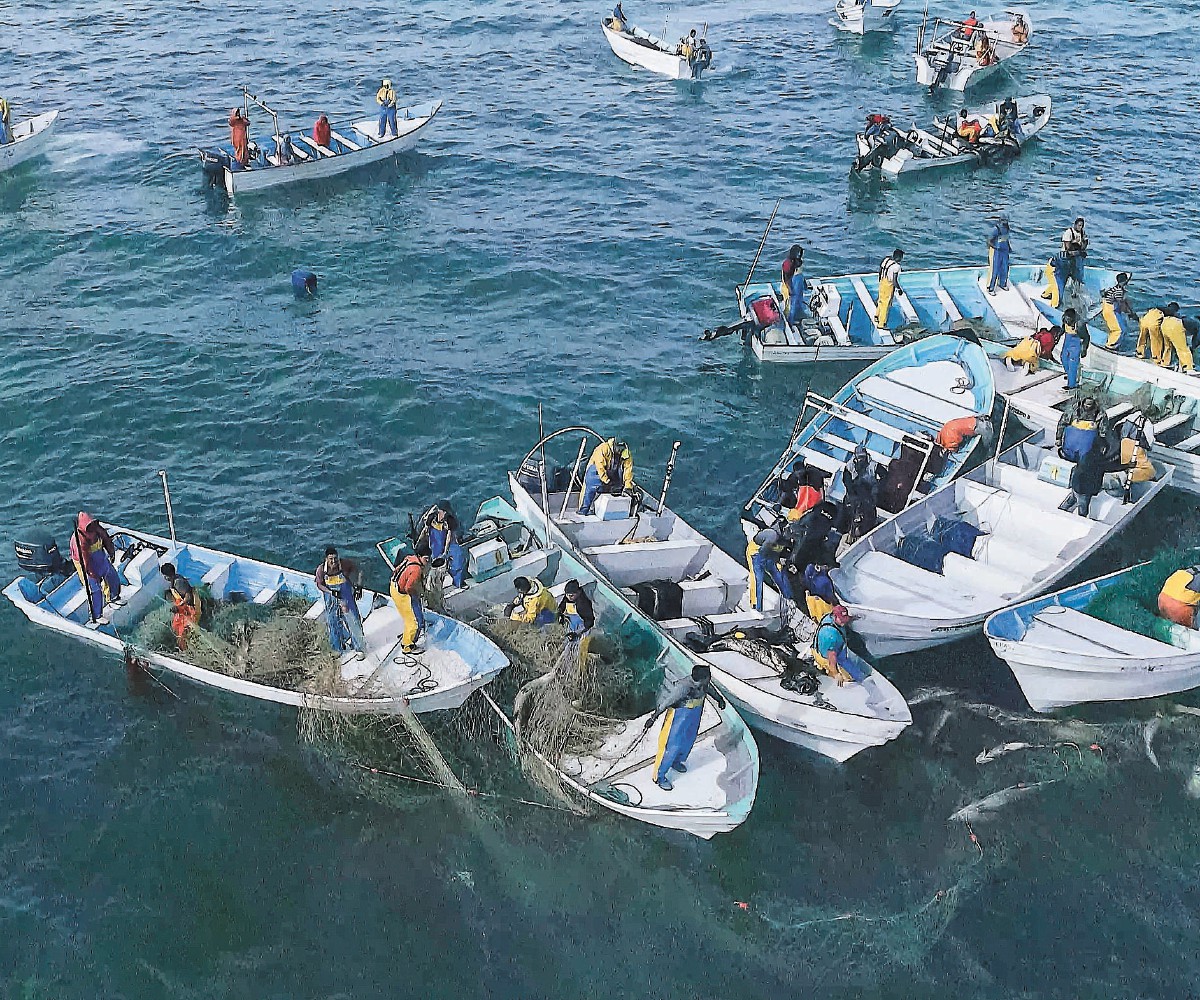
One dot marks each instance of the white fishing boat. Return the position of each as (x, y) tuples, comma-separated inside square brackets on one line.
[(699, 596), (861, 16), (616, 771), (1062, 654), (1042, 399), (351, 145), (638, 48), (894, 153), (28, 139), (961, 54), (457, 660), (994, 537)]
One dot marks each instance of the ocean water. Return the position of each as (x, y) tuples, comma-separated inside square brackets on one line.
[(562, 236)]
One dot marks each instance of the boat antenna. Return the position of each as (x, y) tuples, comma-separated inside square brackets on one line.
[(662, 500), (921, 30), (761, 243), (545, 487), (249, 98), (665, 20), (162, 474)]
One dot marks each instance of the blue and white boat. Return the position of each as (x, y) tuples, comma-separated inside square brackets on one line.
[(843, 311), (456, 662), (896, 408), (1062, 655), (351, 145), (617, 772)]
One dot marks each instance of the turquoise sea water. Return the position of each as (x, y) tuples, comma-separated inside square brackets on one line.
[(562, 236)]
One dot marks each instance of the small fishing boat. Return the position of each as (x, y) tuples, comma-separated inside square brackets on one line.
[(638, 48), (1040, 400), (861, 16), (994, 537), (895, 409), (961, 53), (840, 321), (456, 661), (894, 153), (291, 157), (699, 596), (28, 139), (615, 769), (1062, 653)]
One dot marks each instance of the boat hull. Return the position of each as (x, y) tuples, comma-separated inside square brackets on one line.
[(965, 70), (859, 19), (29, 140), (649, 57)]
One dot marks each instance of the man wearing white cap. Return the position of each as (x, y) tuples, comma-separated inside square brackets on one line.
[(386, 99)]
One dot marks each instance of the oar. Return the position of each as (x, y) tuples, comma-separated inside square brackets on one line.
[(87, 587)]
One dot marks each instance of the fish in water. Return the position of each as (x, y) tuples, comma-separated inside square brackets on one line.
[(1192, 788), (999, 751), (1148, 739), (984, 809), (923, 695), (938, 726)]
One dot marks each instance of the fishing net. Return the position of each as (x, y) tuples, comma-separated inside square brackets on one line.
[(1132, 604)]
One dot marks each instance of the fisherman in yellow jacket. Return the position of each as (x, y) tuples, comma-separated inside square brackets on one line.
[(1174, 338), (534, 604), (385, 97), (610, 469), (1179, 596)]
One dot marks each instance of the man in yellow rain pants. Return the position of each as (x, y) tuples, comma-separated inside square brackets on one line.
[(1150, 334), (889, 277), (408, 587), (1174, 337), (1117, 310), (1137, 438)]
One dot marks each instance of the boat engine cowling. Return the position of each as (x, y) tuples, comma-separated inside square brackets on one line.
[(37, 553)]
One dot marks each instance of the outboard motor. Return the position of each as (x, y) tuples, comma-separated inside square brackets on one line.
[(37, 554)]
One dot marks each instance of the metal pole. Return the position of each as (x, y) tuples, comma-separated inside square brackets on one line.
[(662, 500), (545, 485), (162, 474), (762, 243), (80, 546), (574, 476)]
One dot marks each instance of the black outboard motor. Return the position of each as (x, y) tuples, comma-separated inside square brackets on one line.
[(37, 554)]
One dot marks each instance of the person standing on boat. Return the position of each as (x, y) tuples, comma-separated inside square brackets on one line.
[(93, 551), (1174, 336), (341, 609), (1116, 310), (1074, 250), (407, 588), (831, 650), (322, 131), (186, 606), (6, 133), (239, 135), (889, 281), (1087, 478), (811, 493), (1137, 440), (1076, 339), (790, 483), (764, 553), (618, 22), (792, 285), (440, 537), (385, 97), (1056, 280), (968, 27), (1150, 334), (681, 705), (610, 468), (1079, 431), (534, 604), (999, 254), (1179, 597), (1009, 118)]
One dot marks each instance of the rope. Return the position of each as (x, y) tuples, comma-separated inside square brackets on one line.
[(477, 793)]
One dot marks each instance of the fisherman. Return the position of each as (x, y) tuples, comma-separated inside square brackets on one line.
[(1076, 339), (954, 433), (1048, 338), (1010, 118), (819, 595), (186, 606), (1027, 352), (999, 254), (1074, 250), (831, 651), (1191, 328), (791, 482), (876, 125), (609, 470), (93, 551), (1087, 477), (814, 538), (239, 135), (575, 610), (889, 281), (407, 588), (1137, 439), (967, 28), (1150, 334), (304, 283), (688, 44), (860, 491), (1179, 596), (681, 705), (385, 97), (341, 608), (1077, 433), (985, 54), (969, 128), (1056, 280), (618, 22), (6, 132), (534, 604), (1116, 309), (322, 131), (1174, 336), (440, 538), (1020, 29), (795, 297), (811, 493), (764, 553)]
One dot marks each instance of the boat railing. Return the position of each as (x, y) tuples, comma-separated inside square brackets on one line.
[(248, 99)]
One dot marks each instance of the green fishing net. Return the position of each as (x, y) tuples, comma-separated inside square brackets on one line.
[(1132, 604)]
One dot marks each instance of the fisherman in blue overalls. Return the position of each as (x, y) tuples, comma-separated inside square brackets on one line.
[(681, 706), (1000, 252), (441, 535)]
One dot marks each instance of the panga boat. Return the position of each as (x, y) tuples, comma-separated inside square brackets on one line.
[(991, 538), (1042, 399), (861, 16), (716, 793), (958, 54), (638, 48), (843, 311), (895, 153), (457, 659), (1062, 653), (692, 590), (351, 145), (28, 139), (895, 408)]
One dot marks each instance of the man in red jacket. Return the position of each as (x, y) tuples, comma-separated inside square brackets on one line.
[(321, 131)]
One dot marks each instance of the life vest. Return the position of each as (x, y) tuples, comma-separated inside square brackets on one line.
[(1134, 429), (955, 432), (1178, 587), (188, 603), (408, 574), (1078, 438), (820, 659), (532, 604)]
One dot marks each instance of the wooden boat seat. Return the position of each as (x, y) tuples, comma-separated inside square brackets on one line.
[(878, 574), (372, 140), (640, 562), (267, 594), (1171, 422), (860, 419), (868, 303), (217, 579), (1188, 444), (820, 460), (1095, 633), (1118, 410), (979, 576), (344, 141), (910, 402), (848, 446)]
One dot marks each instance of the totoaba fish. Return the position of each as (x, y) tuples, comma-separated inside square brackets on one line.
[(984, 809)]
